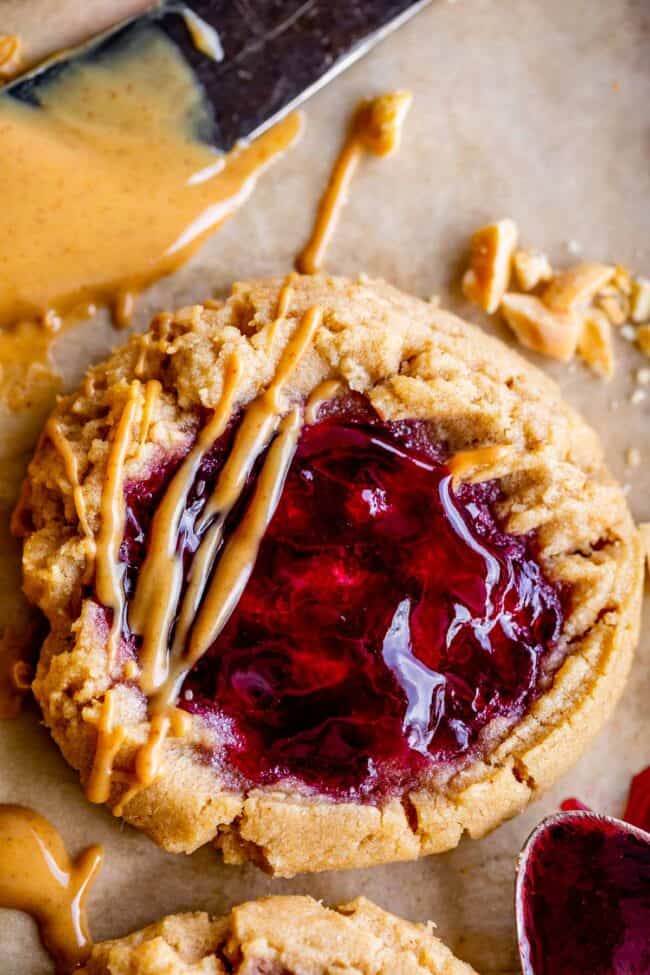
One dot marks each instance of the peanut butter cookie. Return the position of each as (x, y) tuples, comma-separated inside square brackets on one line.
[(278, 936), (332, 578)]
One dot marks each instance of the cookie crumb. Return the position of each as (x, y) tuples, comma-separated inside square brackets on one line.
[(638, 396), (574, 247), (633, 457)]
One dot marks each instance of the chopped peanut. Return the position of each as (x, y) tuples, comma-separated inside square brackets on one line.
[(379, 121), (488, 277), (643, 338), (554, 334), (615, 304), (531, 268), (576, 286), (595, 343), (622, 279), (640, 301)]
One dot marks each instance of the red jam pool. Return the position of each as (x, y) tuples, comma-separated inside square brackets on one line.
[(388, 619)]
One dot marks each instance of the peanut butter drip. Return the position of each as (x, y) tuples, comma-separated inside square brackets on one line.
[(112, 171), (160, 578), (472, 464), (214, 588), (110, 737), (323, 393), (17, 650), (163, 674), (38, 877), (11, 52), (375, 128), (54, 431), (109, 569)]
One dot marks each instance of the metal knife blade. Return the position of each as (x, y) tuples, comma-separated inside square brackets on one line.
[(276, 53)]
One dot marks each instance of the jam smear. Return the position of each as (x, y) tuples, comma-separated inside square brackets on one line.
[(583, 898), (387, 621), (637, 810)]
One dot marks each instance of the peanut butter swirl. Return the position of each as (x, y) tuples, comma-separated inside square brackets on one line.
[(38, 877), (111, 168)]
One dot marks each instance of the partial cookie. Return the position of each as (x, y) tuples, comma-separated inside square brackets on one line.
[(332, 578), (280, 936)]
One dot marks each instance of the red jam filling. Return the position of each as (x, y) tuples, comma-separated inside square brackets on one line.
[(584, 899), (637, 810), (388, 619)]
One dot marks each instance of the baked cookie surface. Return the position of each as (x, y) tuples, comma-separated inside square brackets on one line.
[(278, 936), (332, 578)]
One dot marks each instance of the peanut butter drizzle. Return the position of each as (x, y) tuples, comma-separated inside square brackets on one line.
[(112, 172), (109, 570), (160, 578), (110, 738), (466, 461), (258, 426), (38, 877), (323, 393), (375, 128), (240, 552), (16, 669), (152, 391), (284, 303), (54, 431), (11, 53)]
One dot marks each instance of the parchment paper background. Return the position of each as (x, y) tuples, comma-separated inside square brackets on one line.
[(535, 109)]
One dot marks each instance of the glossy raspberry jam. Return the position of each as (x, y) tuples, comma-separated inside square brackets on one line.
[(387, 622), (583, 899)]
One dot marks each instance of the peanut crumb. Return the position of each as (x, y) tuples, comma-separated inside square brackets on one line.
[(531, 268), (615, 304), (633, 457), (642, 336), (638, 397), (576, 286), (554, 334), (379, 121), (487, 279), (640, 301), (595, 343), (623, 279), (643, 376), (628, 332)]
